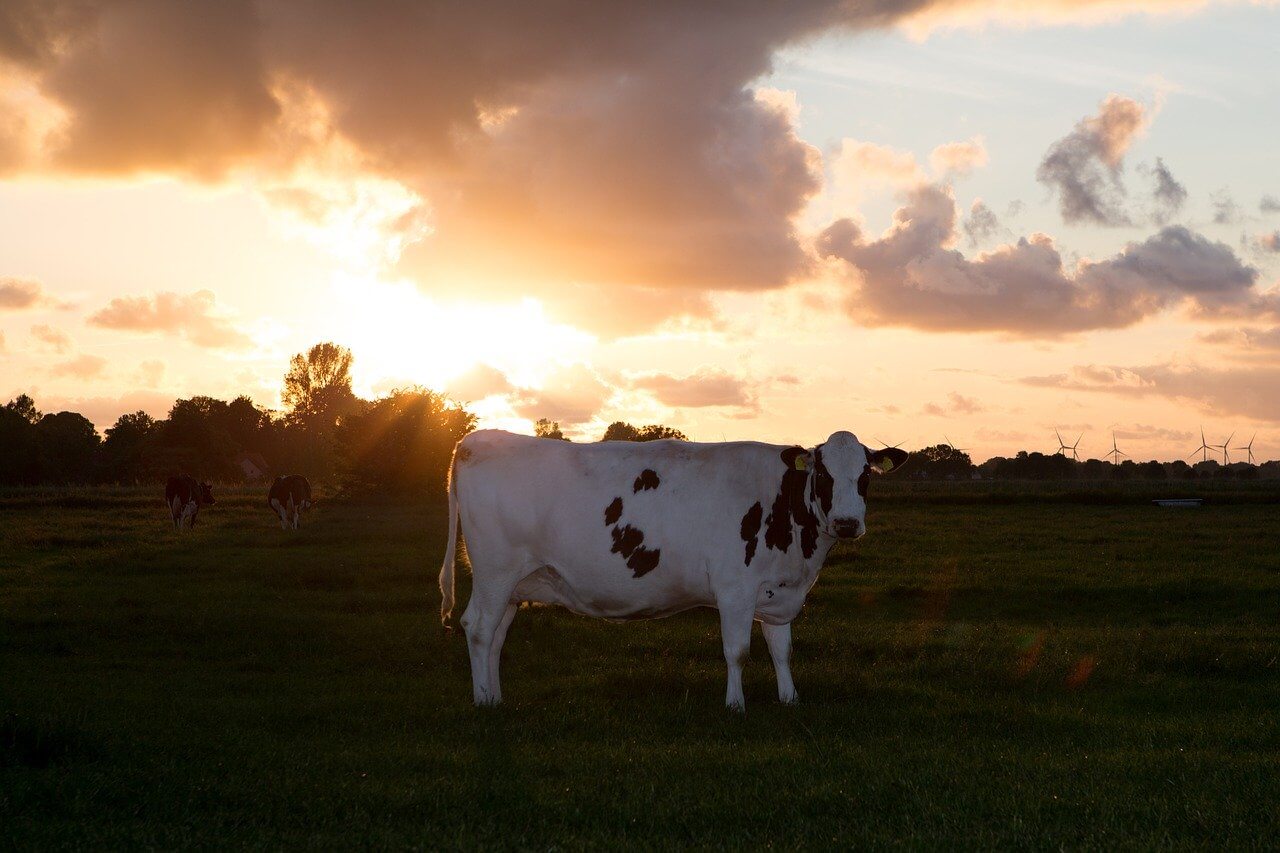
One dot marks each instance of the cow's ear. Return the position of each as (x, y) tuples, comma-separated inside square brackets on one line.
[(886, 459), (797, 458)]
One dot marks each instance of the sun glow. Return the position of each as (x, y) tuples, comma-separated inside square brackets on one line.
[(402, 337)]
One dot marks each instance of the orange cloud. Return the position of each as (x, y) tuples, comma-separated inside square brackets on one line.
[(56, 339), (191, 316), (1252, 392), (17, 294), (80, 367), (705, 387), (959, 158)]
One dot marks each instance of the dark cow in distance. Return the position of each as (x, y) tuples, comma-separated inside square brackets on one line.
[(289, 497), (184, 496)]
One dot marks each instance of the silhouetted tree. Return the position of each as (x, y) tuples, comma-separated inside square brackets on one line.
[(548, 429), (318, 384), (19, 448), (622, 431), (25, 408), (402, 443), (317, 392), (1152, 471), (194, 439), (940, 462), (123, 449), (68, 446)]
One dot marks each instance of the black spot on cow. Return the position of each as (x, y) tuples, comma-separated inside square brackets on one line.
[(643, 561), (823, 483), (864, 481), (751, 529), (613, 512), (629, 542), (626, 539), (790, 508), (648, 479)]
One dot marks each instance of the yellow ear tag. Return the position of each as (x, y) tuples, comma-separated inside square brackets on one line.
[(800, 464), (886, 465)]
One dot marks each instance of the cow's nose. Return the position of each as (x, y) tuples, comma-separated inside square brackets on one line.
[(848, 528)]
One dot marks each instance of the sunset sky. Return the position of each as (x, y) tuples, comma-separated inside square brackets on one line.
[(748, 220)]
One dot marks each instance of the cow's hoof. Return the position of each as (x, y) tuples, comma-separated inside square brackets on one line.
[(790, 699), (737, 706)]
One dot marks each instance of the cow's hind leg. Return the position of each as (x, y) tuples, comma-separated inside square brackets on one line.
[(495, 652), (779, 639), (735, 631), (481, 621)]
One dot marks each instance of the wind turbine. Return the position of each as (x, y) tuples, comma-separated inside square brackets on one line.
[(953, 447), (1226, 457), (885, 444), (1203, 447), (1075, 455), (1062, 448), (1249, 448), (1115, 453)]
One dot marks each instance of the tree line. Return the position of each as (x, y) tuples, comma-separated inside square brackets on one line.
[(400, 442)]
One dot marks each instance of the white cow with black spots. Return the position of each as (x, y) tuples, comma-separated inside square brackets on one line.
[(626, 530)]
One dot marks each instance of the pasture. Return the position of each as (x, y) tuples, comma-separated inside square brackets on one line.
[(974, 673)]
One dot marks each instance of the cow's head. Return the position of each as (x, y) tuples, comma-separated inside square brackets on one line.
[(842, 469), (206, 493)]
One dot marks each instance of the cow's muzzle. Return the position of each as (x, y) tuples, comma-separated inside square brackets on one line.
[(847, 528)]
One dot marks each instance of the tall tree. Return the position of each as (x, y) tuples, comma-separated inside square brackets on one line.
[(25, 408), (317, 393), (318, 383)]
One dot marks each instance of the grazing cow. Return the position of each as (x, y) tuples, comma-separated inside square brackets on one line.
[(185, 495), (289, 497), (625, 530)]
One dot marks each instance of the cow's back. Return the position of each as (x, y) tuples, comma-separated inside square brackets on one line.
[(287, 486)]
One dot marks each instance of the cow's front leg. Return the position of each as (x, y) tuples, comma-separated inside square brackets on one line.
[(735, 631), (495, 653), (779, 639)]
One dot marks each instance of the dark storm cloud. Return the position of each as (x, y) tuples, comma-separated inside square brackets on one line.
[(1084, 167), (910, 276)]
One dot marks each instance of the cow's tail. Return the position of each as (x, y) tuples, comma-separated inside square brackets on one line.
[(451, 549)]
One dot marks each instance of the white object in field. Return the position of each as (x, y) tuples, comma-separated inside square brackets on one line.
[(638, 530), (1179, 502)]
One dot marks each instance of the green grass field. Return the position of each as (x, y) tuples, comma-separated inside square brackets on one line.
[(1031, 674)]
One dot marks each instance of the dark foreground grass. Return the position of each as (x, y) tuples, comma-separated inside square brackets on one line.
[(970, 676)]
